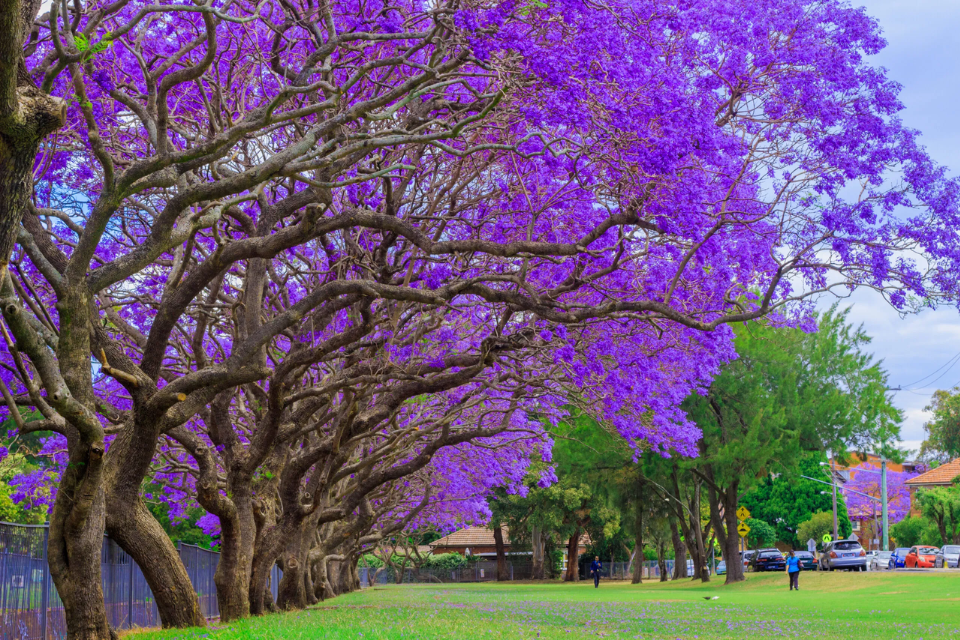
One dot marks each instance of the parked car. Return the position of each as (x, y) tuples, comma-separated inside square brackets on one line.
[(948, 557), (747, 556), (899, 557), (920, 557), (881, 561), (768, 560), (722, 568), (843, 554), (808, 561)]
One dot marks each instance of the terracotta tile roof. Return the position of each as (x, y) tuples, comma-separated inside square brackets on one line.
[(942, 475), (482, 537), (471, 537)]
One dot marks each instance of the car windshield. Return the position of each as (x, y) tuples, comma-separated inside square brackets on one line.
[(770, 554), (885, 554), (951, 549), (803, 554), (927, 550), (846, 545)]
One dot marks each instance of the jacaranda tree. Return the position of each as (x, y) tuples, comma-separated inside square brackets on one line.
[(303, 248)]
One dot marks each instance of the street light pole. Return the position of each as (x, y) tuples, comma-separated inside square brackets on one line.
[(883, 505), (833, 481)]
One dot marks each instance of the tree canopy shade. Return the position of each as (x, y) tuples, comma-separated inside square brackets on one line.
[(305, 262)]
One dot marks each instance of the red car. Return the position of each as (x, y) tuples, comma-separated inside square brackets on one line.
[(921, 557)]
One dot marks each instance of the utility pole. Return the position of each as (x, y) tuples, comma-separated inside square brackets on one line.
[(833, 481), (883, 505)]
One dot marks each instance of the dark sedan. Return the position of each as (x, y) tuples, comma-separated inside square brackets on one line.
[(808, 561), (768, 560)]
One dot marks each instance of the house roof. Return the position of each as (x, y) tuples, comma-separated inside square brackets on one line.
[(482, 537), (942, 475), (471, 537)]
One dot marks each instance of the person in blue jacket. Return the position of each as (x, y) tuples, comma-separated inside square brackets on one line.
[(793, 570), (595, 570)]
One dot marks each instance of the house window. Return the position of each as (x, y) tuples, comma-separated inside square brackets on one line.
[(856, 525)]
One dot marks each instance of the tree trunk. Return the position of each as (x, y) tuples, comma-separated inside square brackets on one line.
[(573, 558), (536, 537), (268, 548), (290, 593), (502, 572), (133, 527), (232, 576), (140, 535), (662, 559), (679, 551), (638, 558), (696, 528), (74, 552)]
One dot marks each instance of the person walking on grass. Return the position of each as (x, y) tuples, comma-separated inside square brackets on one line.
[(595, 567), (793, 570)]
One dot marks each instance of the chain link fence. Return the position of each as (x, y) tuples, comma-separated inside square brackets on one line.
[(30, 608), (485, 571)]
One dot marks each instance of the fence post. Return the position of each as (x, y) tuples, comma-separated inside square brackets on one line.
[(130, 598), (45, 598)]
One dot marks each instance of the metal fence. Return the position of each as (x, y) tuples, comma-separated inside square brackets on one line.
[(31, 609), (484, 571)]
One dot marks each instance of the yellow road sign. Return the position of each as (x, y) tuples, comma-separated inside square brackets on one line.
[(743, 529), (827, 538), (743, 513)]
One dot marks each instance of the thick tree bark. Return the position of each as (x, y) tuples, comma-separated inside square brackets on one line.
[(139, 534), (232, 577), (290, 593), (74, 552), (679, 551), (502, 573), (573, 558), (536, 536)]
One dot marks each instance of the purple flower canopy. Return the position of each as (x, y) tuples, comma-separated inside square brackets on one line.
[(866, 479), (349, 260)]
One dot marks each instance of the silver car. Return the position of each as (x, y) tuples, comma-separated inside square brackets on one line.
[(880, 561), (843, 554), (948, 557)]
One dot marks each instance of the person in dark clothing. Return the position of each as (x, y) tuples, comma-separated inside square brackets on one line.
[(595, 570), (793, 570)]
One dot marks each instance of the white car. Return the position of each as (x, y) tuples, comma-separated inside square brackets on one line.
[(880, 561)]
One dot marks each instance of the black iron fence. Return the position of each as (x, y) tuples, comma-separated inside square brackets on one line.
[(30, 608)]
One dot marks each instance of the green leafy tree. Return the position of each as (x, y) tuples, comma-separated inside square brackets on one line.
[(941, 507), (943, 429), (817, 526), (915, 530), (789, 392), (761, 534), (786, 500)]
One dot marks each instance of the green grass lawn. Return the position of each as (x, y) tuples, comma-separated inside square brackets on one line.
[(868, 606)]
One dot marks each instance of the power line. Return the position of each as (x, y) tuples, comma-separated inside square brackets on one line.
[(951, 362)]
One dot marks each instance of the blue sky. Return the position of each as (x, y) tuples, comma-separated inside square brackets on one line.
[(923, 54)]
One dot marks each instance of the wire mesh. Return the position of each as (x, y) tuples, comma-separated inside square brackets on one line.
[(31, 609)]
